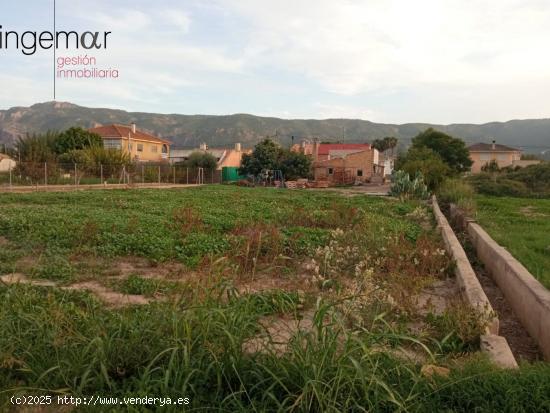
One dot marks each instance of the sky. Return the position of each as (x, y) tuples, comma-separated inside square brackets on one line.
[(392, 61)]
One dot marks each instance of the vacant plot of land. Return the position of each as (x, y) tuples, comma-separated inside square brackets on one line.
[(241, 299), (521, 225)]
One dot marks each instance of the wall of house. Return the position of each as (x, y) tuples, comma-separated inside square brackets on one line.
[(6, 164), (352, 164), (503, 159), (147, 153), (232, 158)]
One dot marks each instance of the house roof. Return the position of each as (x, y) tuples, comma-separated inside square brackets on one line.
[(342, 153), (488, 147), (325, 148), (338, 160), (123, 131)]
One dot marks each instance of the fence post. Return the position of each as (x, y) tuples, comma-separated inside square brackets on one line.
[(101, 173), (45, 173), (75, 179), (159, 174), (187, 175), (142, 174), (174, 174), (10, 175)]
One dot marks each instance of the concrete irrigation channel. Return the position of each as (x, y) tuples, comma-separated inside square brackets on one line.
[(527, 297), (491, 343), (500, 286)]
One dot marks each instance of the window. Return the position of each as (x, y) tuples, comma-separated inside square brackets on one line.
[(112, 144), (484, 157), (359, 172), (164, 149), (154, 148), (140, 147), (502, 157), (330, 171)]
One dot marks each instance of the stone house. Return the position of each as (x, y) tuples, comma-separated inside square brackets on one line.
[(343, 163)]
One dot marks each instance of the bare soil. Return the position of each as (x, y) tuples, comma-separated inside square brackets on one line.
[(109, 297)]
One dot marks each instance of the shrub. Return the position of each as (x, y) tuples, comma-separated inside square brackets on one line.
[(459, 192), (495, 186), (427, 162), (535, 177), (405, 188)]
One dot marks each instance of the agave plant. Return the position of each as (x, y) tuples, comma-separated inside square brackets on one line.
[(404, 187)]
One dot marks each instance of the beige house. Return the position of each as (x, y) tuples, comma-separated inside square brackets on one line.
[(140, 145), (343, 163), (224, 156), (483, 153), (6, 163)]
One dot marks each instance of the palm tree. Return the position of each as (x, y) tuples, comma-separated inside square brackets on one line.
[(391, 143)]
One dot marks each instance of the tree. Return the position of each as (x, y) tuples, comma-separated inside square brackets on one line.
[(427, 162), (37, 147), (380, 145), (269, 155), (294, 165), (266, 155), (75, 138), (202, 160), (452, 151)]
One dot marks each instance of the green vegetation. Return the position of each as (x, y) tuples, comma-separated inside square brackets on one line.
[(452, 151), (388, 143), (459, 192), (61, 151), (436, 156), (270, 155), (403, 187), (532, 181), (522, 226), (225, 270), (426, 162), (200, 159)]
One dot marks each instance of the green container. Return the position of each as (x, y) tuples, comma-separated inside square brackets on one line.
[(231, 174)]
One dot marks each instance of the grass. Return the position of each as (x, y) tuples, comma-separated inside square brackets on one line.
[(220, 264), (522, 226)]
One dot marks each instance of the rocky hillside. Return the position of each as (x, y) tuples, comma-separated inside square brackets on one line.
[(189, 130)]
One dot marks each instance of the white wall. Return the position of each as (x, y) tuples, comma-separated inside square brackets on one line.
[(6, 164)]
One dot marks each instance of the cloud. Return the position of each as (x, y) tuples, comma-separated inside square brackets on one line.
[(384, 60), (351, 47), (177, 18)]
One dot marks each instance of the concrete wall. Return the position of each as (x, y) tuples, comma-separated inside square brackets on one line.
[(529, 299), (495, 346), (467, 280)]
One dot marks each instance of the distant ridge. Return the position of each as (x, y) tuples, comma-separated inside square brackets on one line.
[(531, 135)]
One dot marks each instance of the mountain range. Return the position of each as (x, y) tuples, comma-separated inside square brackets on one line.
[(532, 135)]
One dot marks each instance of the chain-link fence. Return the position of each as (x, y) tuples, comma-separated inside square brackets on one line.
[(42, 174)]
